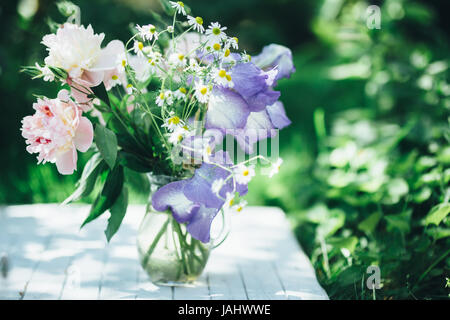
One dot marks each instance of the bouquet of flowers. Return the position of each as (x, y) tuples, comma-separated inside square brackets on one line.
[(164, 103)]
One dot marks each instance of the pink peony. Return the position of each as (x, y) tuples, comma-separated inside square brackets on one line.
[(77, 50), (56, 131)]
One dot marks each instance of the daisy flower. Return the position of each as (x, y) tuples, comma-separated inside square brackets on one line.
[(179, 7), (233, 43), (138, 48), (147, 32), (129, 88), (240, 206), (244, 174), (170, 29), (222, 78), (197, 23), (177, 59), (173, 122), (164, 97), (177, 135), (202, 92), (215, 32), (275, 167), (121, 62), (180, 94)]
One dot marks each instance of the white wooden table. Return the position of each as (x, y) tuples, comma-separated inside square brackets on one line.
[(49, 257)]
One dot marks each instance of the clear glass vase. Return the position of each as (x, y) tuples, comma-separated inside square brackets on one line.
[(167, 252)]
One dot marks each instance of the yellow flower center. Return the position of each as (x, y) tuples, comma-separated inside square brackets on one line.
[(228, 77), (231, 202), (152, 29), (239, 209), (140, 45), (236, 39), (227, 53), (114, 77), (222, 73), (183, 90), (199, 20), (180, 57), (216, 46), (124, 63), (161, 95), (129, 85), (181, 4), (245, 173), (208, 150), (174, 120), (216, 31), (204, 90)]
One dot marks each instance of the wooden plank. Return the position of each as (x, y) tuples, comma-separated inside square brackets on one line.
[(22, 247), (51, 258)]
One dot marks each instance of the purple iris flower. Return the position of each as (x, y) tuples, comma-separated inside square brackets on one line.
[(192, 201), (276, 56)]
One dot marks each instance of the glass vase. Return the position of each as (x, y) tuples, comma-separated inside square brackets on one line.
[(167, 252)]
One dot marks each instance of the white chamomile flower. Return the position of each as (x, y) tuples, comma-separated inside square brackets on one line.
[(179, 7), (240, 206), (246, 57), (115, 80), (164, 97), (229, 201), (147, 32), (173, 122), (46, 72), (275, 167), (129, 88), (121, 62), (214, 46), (197, 23), (223, 78), (194, 66), (217, 185), (177, 60), (244, 174), (180, 94), (170, 29), (233, 43), (202, 92), (177, 135), (215, 32), (138, 48)]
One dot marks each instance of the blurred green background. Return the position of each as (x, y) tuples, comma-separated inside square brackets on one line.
[(367, 158)]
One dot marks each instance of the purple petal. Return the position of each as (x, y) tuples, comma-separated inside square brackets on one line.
[(258, 127), (277, 115), (198, 188), (171, 197), (252, 84), (200, 225), (226, 110), (278, 56)]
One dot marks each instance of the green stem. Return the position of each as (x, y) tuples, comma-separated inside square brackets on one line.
[(155, 242)]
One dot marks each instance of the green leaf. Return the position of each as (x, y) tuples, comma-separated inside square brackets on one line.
[(88, 178), (369, 224), (117, 211), (400, 222), (108, 196), (437, 214), (349, 243), (133, 162), (106, 142)]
